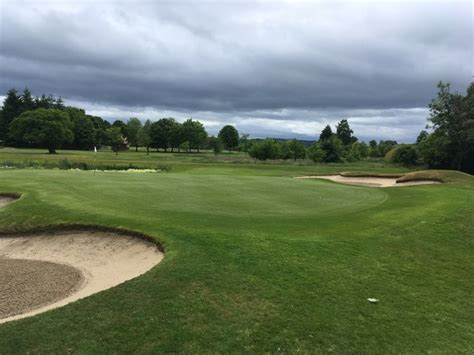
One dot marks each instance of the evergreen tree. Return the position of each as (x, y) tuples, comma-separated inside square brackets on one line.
[(27, 100), (12, 108), (344, 132), (326, 133), (333, 149)]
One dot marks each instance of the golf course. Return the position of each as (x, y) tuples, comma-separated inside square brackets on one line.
[(236, 177), (254, 260)]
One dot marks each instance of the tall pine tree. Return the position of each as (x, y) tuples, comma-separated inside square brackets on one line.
[(326, 133), (12, 107)]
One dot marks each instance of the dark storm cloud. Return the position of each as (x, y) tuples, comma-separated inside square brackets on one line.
[(234, 62)]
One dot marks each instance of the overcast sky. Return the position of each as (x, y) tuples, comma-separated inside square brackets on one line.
[(279, 69)]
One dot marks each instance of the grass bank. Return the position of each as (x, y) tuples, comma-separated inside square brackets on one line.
[(259, 264)]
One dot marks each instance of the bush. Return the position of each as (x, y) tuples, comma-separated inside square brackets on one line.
[(354, 152), (216, 145), (316, 153), (405, 154), (435, 150), (263, 150)]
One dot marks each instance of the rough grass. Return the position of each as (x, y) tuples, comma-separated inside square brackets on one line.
[(195, 163), (446, 176), (259, 264)]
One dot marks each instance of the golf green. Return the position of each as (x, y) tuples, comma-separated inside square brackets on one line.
[(259, 264)]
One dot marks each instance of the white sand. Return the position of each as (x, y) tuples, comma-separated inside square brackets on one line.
[(104, 259), (368, 181)]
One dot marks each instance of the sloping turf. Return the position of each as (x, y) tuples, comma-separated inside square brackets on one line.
[(258, 263)]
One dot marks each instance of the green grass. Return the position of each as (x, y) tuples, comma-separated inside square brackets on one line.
[(456, 177), (258, 263), (195, 163)]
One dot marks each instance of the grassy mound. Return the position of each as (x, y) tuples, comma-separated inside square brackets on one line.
[(445, 176), (368, 174)]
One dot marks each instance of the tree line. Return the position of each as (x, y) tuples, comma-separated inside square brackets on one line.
[(46, 122), (331, 147), (449, 143)]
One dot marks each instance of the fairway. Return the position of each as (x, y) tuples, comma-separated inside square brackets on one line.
[(257, 263)]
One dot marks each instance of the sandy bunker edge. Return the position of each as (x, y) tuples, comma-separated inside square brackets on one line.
[(369, 181), (105, 257)]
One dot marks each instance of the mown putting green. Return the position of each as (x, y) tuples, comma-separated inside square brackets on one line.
[(257, 263)]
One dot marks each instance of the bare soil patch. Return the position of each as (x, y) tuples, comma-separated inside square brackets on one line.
[(102, 259), (369, 181)]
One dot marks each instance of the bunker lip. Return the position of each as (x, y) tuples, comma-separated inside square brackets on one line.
[(370, 181), (104, 257), (8, 197)]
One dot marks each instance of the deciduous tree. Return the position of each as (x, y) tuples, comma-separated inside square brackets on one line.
[(229, 136), (215, 143), (82, 128), (144, 137), (49, 128), (131, 131), (194, 133), (115, 138)]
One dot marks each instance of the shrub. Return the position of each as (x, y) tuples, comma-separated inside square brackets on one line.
[(263, 150), (354, 152), (215, 144), (405, 154), (435, 150), (316, 153)]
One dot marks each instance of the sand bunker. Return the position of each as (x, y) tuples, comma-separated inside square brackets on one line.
[(369, 181), (31, 284), (5, 200), (42, 272)]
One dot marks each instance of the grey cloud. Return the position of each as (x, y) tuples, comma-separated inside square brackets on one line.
[(281, 62), (402, 125)]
